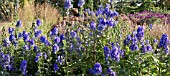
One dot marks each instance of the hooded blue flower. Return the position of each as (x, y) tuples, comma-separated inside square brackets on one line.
[(73, 34), (92, 25), (37, 33), (97, 68), (140, 33), (62, 37), (55, 48), (133, 47), (19, 23), (101, 27), (19, 35), (36, 48), (106, 52), (43, 39), (55, 31), (11, 37), (57, 40), (31, 41), (23, 66), (38, 22), (114, 54), (127, 40), (10, 30), (68, 4), (55, 67), (164, 41), (81, 3)]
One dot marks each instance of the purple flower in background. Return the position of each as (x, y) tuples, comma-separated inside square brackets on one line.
[(81, 3), (55, 67), (111, 72), (97, 68), (38, 22), (62, 37), (19, 35), (68, 4), (47, 43), (31, 41), (55, 31), (166, 49), (43, 39), (27, 47), (23, 66), (59, 59), (36, 59), (19, 23), (155, 40)]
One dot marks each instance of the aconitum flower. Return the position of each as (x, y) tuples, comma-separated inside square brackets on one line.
[(127, 40), (36, 48), (140, 33), (11, 37), (150, 26), (27, 47), (26, 37), (23, 66), (114, 54), (31, 41), (54, 31), (55, 48), (133, 47), (155, 41), (55, 67), (164, 41), (59, 59), (106, 52), (62, 37), (19, 23), (57, 40), (143, 49), (92, 25), (43, 39), (149, 47), (73, 34), (97, 68), (68, 4), (81, 3), (37, 33), (111, 72), (10, 30), (166, 49), (36, 59), (19, 35), (101, 27), (38, 22), (47, 43)]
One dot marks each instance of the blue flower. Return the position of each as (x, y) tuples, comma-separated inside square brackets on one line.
[(55, 67), (106, 52), (127, 40), (59, 59), (36, 59), (37, 33), (68, 4), (81, 3), (19, 35), (19, 23), (134, 47), (149, 47), (101, 27), (23, 66), (150, 26), (31, 41), (97, 68), (36, 48), (10, 30), (57, 40), (114, 54), (55, 48), (140, 33), (11, 37), (92, 25), (55, 31), (164, 41), (27, 47), (43, 39), (62, 37), (47, 43), (38, 22), (73, 34), (143, 48)]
